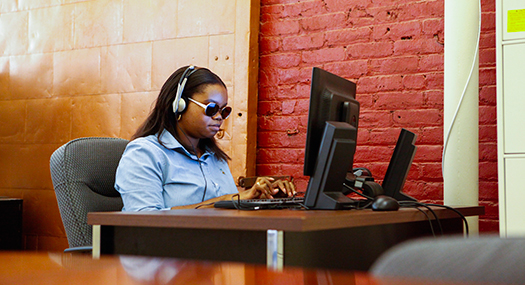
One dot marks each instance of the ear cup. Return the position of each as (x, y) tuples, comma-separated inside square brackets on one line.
[(179, 104), (180, 107), (372, 189)]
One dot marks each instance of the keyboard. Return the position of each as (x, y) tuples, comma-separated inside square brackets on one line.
[(254, 204)]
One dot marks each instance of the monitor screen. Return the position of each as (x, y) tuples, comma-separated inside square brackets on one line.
[(331, 139), (332, 98)]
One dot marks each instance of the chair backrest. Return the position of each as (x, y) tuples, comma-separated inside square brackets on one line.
[(83, 174), (489, 259)]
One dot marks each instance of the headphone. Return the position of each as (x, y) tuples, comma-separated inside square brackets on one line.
[(179, 104), (365, 181), (372, 189)]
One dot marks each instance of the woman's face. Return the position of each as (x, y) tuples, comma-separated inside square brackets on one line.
[(194, 122)]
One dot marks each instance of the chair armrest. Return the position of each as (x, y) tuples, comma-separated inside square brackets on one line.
[(79, 249)]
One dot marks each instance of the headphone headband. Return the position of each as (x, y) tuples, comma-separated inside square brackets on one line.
[(178, 104)]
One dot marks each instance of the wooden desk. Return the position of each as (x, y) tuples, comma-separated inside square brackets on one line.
[(58, 268), (325, 239)]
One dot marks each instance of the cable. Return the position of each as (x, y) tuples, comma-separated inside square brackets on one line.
[(357, 192), (304, 206), (408, 203), (418, 204), (202, 205), (205, 180), (445, 144), (457, 212), (366, 206), (429, 221), (239, 205), (369, 199), (198, 160)]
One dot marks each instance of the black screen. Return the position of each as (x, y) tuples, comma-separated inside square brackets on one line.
[(332, 98)]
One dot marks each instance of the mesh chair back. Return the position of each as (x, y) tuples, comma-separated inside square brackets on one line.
[(83, 175), (489, 259)]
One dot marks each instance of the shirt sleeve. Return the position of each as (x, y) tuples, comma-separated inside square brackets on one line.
[(139, 177)]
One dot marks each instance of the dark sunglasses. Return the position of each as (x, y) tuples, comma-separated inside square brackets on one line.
[(212, 109)]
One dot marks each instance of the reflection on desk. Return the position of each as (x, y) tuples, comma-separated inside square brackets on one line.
[(167, 270), (60, 268)]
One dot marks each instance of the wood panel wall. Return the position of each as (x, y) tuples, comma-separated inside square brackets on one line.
[(77, 68)]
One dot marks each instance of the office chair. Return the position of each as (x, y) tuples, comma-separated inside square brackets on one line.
[(489, 259), (83, 175)]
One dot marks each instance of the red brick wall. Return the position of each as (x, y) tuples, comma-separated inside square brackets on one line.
[(393, 50)]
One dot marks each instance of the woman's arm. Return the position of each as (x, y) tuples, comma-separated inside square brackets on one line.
[(263, 188), (139, 178)]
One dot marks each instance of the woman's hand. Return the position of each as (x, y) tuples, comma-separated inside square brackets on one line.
[(261, 189), (267, 188), (286, 187)]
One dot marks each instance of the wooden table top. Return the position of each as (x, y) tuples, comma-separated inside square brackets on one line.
[(287, 220), (58, 268)]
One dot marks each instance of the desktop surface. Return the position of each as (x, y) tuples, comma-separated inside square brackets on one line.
[(282, 219)]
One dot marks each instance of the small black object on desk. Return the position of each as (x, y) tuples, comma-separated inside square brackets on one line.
[(385, 203), (10, 223)]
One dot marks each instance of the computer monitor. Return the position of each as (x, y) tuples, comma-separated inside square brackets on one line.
[(332, 98), (331, 139), (399, 166)]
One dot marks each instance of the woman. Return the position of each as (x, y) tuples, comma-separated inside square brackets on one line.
[(173, 160)]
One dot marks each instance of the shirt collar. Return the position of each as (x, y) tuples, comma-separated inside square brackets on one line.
[(172, 143)]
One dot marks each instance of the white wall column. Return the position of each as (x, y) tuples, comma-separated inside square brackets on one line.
[(461, 124)]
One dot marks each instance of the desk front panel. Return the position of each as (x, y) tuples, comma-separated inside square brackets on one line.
[(199, 244), (353, 248), (359, 247)]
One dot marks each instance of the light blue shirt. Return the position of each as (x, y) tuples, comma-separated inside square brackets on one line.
[(153, 177)]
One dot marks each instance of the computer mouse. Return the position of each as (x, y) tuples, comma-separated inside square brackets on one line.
[(385, 203)]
